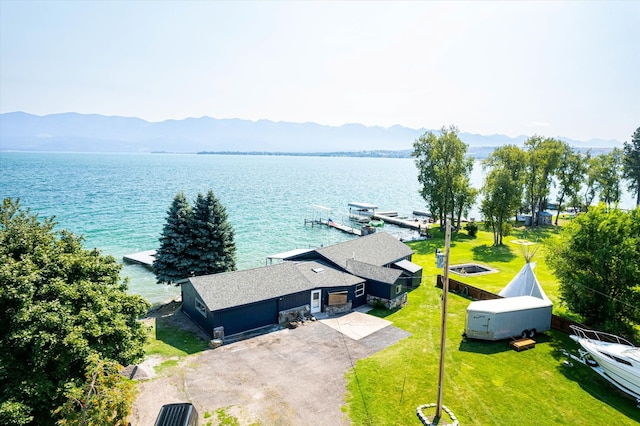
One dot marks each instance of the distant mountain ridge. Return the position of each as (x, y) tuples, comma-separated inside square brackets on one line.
[(74, 132)]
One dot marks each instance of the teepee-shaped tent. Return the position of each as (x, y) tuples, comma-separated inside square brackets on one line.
[(525, 282)]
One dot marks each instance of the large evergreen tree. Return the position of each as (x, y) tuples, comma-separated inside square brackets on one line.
[(211, 238), (172, 263), (631, 164), (595, 260), (60, 304), (196, 240)]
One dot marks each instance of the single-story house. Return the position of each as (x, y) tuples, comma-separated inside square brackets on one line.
[(375, 269), (380, 258)]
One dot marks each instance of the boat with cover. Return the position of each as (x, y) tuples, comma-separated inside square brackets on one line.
[(618, 358)]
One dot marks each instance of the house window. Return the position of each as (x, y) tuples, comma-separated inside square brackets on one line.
[(399, 289), (359, 289), (200, 307)]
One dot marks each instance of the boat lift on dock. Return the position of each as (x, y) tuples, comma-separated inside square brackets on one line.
[(365, 214)]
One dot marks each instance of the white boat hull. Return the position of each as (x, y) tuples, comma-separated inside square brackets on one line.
[(626, 376), (618, 359)]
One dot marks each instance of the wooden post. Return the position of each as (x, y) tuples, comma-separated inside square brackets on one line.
[(443, 327)]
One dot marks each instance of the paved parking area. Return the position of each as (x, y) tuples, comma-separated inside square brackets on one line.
[(286, 377)]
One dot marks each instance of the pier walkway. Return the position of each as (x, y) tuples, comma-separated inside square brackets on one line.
[(414, 224), (145, 258), (332, 224)]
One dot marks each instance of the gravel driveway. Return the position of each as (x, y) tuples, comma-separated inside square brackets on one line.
[(286, 377)]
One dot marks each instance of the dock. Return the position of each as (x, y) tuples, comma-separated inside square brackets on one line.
[(145, 258), (365, 213), (415, 224), (343, 228)]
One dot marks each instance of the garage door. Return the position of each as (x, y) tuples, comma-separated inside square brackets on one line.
[(243, 318)]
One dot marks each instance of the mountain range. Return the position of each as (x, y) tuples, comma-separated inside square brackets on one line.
[(74, 132)]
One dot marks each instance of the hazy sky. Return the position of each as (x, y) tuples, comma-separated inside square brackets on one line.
[(551, 68)]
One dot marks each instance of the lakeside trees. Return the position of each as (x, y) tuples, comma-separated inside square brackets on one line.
[(542, 161), (631, 164), (211, 247), (61, 305), (502, 189), (195, 240), (570, 176), (595, 260), (171, 262), (443, 171), (607, 171)]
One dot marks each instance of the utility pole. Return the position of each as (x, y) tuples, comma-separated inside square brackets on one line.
[(443, 326)]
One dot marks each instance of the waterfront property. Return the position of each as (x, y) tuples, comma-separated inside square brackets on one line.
[(375, 269)]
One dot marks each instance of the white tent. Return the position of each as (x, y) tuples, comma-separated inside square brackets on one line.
[(524, 283)]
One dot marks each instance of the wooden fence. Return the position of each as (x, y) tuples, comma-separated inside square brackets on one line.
[(475, 293)]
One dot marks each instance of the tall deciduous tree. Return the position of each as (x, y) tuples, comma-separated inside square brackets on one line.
[(631, 164), (595, 260), (570, 176), (590, 182), (543, 159), (60, 304), (514, 160), (443, 171), (502, 195), (172, 263), (607, 169), (211, 238)]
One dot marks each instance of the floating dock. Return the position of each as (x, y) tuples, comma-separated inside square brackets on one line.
[(145, 258)]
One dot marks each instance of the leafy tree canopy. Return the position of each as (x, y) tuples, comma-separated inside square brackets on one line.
[(543, 159), (443, 171), (595, 260), (105, 398), (631, 164), (60, 304)]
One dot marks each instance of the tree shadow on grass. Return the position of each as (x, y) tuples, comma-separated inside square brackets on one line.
[(436, 241), (489, 254), (174, 328)]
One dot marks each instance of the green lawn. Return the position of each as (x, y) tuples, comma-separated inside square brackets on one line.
[(486, 383), (167, 340)]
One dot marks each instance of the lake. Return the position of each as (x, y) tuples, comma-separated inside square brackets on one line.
[(119, 202)]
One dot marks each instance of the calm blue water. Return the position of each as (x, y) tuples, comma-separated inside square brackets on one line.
[(119, 201)]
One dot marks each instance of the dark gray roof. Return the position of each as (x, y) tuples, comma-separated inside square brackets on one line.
[(408, 266), (320, 275), (229, 289), (377, 249), (372, 272)]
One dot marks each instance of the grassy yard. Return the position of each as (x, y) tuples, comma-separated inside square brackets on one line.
[(486, 383)]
